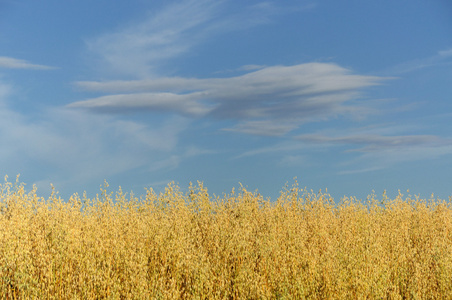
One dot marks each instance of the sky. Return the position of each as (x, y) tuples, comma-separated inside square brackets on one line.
[(350, 96)]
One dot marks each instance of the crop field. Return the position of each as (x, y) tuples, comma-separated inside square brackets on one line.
[(192, 245)]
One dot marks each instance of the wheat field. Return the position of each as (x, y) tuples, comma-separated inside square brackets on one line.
[(175, 245)]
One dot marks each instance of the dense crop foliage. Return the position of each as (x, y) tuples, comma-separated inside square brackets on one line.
[(190, 245)]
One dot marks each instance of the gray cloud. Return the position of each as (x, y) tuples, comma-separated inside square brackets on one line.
[(373, 142), (265, 101), (271, 101), (266, 128), (386, 157), (14, 63), (377, 152), (302, 79), (160, 102), (368, 149)]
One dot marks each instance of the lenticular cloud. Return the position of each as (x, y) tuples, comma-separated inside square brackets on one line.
[(285, 96)]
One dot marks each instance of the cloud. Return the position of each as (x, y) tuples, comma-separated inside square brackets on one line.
[(270, 101), (266, 101), (245, 68), (313, 77), (71, 147), (141, 47), (158, 102), (195, 151), (136, 49), (265, 128), (443, 57), (377, 152), (173, 161), (250, 67), (445, 53), (294, 160), (391, 156), (281, 147), (14, 63), (169, 163), (79, 141), (372, 142), (359, 150)]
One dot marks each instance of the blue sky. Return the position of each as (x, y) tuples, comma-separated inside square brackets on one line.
[(350, 95)]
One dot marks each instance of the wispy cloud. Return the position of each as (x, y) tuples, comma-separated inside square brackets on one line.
[(372, 143), (443, 57), (70, 146), (14, 63), (138, 48), (388, 157), (294, 161), (157, 102), (141, 47), (264, 127), (358, 150), (265, 101), (445, 53), (375, 152), (250, 67), (270, 101), (291, 146)]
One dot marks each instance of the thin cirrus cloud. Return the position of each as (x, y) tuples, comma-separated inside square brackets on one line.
[(380, 151), (134, 50), (374, 142), (186, 105), (443, 57), (76, 146), (140, 48), (270, 101), (14, 63)]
